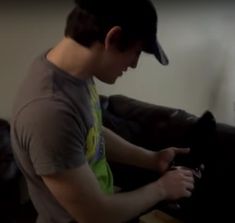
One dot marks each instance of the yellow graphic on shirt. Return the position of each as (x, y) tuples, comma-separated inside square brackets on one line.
[(95, 146), (91, 143), (93, 138)]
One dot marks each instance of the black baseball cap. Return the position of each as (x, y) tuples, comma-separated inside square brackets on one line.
[(137, 17)]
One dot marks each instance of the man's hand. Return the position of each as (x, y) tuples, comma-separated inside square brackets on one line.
[(163, 159), (176, 184)]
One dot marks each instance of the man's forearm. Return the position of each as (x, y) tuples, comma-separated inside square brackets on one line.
[(78, 191), (125, 206), (122, 151)]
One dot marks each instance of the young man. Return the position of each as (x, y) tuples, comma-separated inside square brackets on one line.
[(57, 134)]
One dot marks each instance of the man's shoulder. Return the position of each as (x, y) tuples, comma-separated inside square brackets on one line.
[(44, 106)]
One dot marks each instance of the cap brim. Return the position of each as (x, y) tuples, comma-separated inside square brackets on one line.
[(155, 48)]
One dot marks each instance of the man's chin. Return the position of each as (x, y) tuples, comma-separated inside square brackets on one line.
[(110, 80)]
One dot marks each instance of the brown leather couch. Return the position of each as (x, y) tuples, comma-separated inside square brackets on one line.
[(13, 208), (156, 127)]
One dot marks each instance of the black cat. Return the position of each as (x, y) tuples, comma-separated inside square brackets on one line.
[(201, 139)]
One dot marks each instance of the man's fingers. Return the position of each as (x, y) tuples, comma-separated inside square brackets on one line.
[(189, 186), (188, 173), (182, 150), (187, 193)]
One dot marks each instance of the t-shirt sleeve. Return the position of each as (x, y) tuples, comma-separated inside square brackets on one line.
[(53, 136)]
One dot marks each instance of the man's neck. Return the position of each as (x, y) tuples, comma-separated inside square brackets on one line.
[(73, 58)]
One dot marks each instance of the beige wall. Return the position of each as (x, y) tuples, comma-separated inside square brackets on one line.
[(26, 29), (197, 39)]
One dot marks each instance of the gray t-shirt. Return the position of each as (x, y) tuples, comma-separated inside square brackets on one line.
[(56, 125)]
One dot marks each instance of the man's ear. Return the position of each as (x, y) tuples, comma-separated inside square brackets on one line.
[(112, 37)]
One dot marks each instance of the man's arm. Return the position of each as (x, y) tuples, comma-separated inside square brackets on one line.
[(122, 151), (78, 191)]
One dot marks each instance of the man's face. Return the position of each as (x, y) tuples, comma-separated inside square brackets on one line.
[(116, 62)]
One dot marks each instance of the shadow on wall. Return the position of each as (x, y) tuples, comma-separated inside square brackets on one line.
[(224, 103)]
